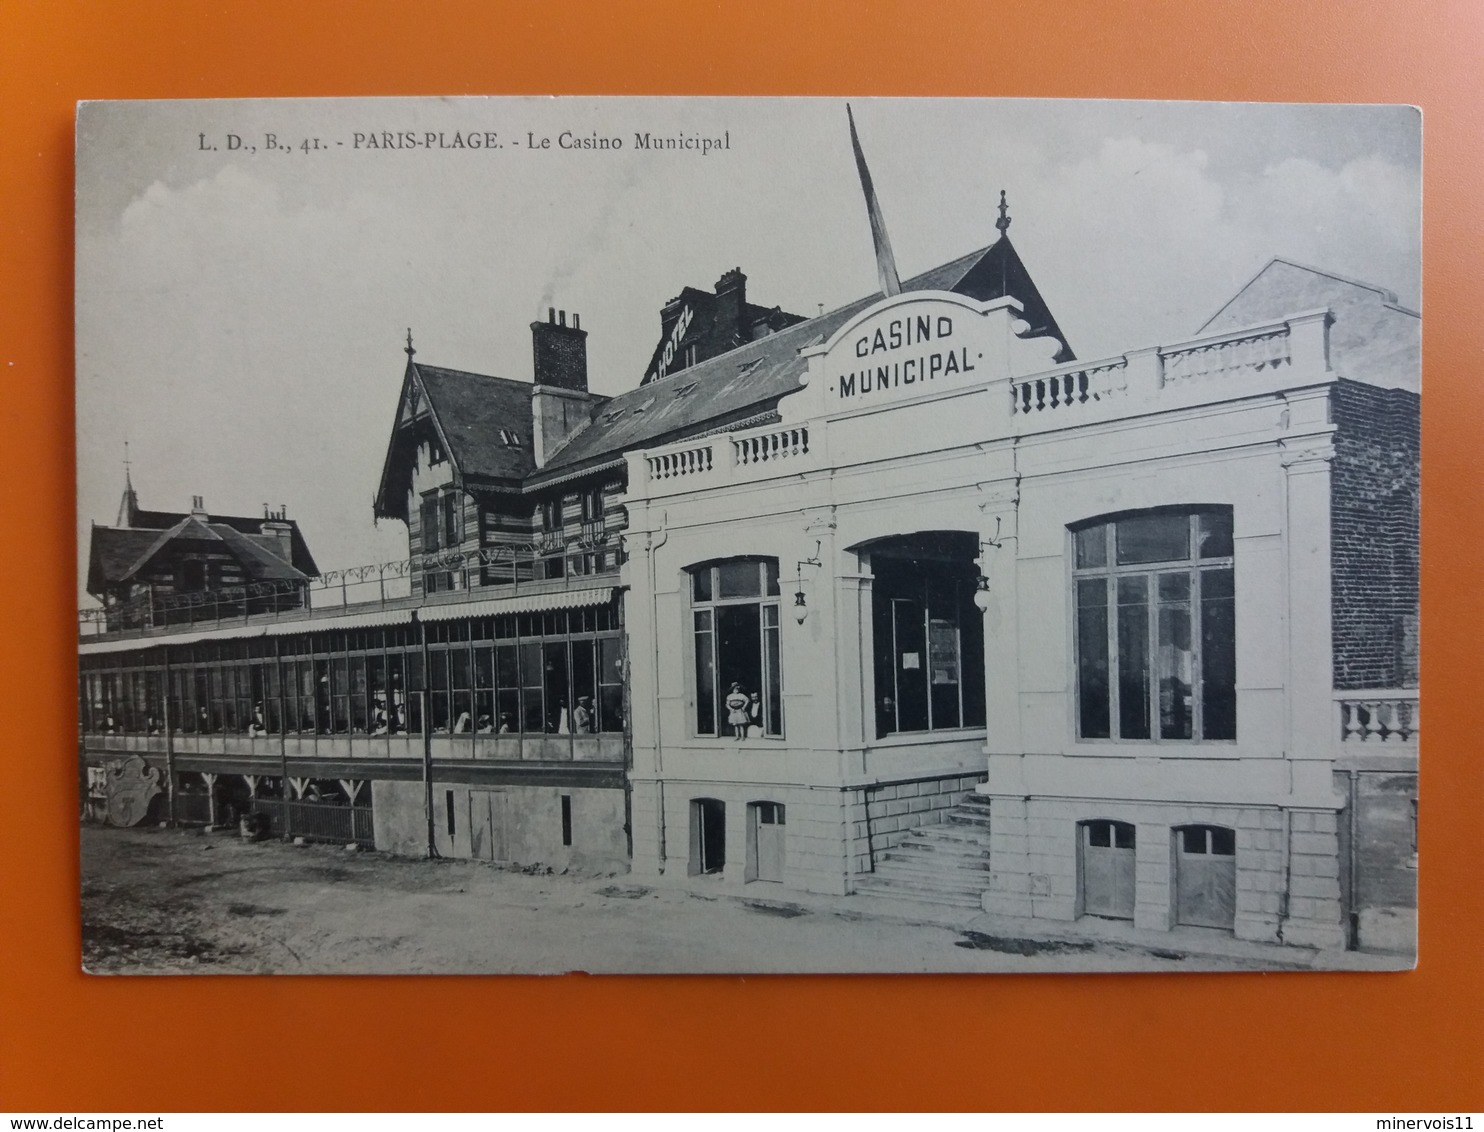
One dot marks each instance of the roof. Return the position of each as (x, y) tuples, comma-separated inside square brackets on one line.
[(469, 412), (1374, 339), (471, 409), (750, 380), (119, 554)]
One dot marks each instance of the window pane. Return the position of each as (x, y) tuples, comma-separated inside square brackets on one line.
[(1133, 658), (738, 579), (943, 672), (739, 653), (584, 688), (1218, 656), (774, 696), (1123, 835), (770, 571), (1092, 658), (1193, 838), (558, 695), (1153, 538), (1098, 834), (705, 675), (909, 635), (1176, 658), (701, 584), (1223, 842), (1092, 546), (1214, 533), (534, 709)]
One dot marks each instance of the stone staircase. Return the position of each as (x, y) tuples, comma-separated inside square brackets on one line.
[(947, 863)]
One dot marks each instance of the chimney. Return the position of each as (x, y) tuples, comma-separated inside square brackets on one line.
[(198, 507), (276, 525), (731, 300), (560, 404), (560, 352)]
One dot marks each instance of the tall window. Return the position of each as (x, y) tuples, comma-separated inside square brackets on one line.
[(1156, 626), (734, 611), (929, 637), (430, 522)]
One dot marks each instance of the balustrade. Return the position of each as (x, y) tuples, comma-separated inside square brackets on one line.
[(1074, 387), (685, 462), (1390, 716), (1261, 350), (779, 444)]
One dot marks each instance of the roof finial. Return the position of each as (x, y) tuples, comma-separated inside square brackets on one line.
[(1003, 223), (409, 349)]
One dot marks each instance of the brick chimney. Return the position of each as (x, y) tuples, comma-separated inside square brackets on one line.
[(198, 507), (559, 402), (731, 300), (276, 524), (560, 351)]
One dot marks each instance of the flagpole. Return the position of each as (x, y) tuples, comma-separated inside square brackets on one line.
[(886, 264)]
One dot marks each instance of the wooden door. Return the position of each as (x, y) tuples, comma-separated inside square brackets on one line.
[(489, 825), (1205, 876), (768, 833), (1108, 869)]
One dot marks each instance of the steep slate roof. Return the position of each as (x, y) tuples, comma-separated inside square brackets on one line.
[(468, 410), (471, 409), (112, 551), (118, 554), (749, 381)]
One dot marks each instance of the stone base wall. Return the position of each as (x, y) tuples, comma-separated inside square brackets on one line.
[(510, 824), (1035, 864)]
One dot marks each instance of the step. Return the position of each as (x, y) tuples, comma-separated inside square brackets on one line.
[(937, 880), (927, 853), (918, 897), (955, 834), (929, 873), (968, 883)]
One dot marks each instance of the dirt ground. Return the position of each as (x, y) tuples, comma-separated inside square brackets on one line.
[(181, 901)]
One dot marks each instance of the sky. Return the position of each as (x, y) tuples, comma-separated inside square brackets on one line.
[(242, 311)]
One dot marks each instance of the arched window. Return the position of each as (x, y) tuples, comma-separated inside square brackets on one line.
[(1156, 625), (739, 675)]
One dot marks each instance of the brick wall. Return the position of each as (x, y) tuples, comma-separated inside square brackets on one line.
[(1375, 535)]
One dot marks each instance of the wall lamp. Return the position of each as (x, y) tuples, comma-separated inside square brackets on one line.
[(982, 596), (801, 608)]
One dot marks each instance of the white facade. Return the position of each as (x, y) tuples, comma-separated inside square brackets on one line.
[(1009, 456)]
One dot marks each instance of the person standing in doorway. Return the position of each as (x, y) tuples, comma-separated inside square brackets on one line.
[(736, 704)]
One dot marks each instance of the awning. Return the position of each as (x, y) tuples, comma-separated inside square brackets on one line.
[(318, 624), (235, 631), (158, 640), (323, 623), (524, 603)]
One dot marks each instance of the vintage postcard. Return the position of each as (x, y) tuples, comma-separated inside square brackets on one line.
[(747, 535)]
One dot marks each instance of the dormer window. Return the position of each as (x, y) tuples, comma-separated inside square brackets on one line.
[(509, 438), (609, 418), (682, 390), (645, 405)]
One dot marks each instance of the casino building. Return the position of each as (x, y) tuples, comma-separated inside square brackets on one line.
[(905, 600)]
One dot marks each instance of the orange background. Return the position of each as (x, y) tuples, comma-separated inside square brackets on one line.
[(1368, 1042)]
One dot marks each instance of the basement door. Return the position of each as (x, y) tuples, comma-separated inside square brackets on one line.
[(1206, 876), (1107, 849), (767, 834), (489, 825)]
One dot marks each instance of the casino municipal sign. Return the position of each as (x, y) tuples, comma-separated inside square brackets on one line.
[(918, 343)]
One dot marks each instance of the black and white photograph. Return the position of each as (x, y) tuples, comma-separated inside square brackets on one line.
[(749, 535)]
